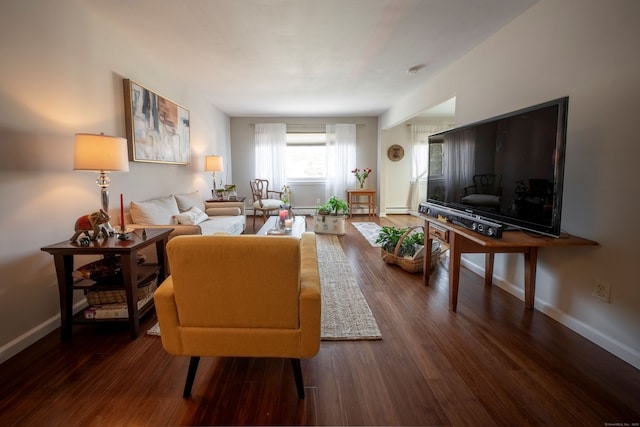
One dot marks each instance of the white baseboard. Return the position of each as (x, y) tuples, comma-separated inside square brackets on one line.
[(18, 344)]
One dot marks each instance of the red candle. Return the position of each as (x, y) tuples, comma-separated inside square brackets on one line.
[(121, 213)]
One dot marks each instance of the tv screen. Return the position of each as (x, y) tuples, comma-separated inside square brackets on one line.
[(508, 169)]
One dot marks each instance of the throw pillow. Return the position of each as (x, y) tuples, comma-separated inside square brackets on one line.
[(158, 211), (193, 216), (187, 201)]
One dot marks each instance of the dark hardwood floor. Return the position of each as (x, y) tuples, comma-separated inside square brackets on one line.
[(491, 363)]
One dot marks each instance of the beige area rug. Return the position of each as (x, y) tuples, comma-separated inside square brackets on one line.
[(345, 312), (370, 231)]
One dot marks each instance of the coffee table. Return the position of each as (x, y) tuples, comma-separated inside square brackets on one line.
[(271, 227)]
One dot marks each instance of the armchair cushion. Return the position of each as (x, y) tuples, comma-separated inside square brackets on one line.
[(267, 204)]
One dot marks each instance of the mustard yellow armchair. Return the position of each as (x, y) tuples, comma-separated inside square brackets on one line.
[(241, 296)]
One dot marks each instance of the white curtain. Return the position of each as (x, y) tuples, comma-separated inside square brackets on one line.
[(270, 146), (459, 165), (420, 158), (341, 158)]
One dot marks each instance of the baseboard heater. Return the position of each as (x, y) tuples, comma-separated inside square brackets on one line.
[(397, 210)]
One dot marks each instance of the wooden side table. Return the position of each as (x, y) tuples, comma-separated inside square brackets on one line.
[(354, 199), (64, 252)]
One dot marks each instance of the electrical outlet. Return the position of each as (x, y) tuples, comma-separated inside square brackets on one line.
[(318, 201), (601, 290)]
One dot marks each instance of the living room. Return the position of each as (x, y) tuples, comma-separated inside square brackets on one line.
[(63, 65)]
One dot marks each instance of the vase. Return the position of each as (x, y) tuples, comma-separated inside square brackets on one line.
[(361, 185)]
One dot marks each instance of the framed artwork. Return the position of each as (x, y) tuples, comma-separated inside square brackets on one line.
[(157, 128)]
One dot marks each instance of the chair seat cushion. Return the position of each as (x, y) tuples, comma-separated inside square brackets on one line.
[(267, 204)]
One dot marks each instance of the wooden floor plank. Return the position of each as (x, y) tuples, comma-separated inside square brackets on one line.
[(490, 363)]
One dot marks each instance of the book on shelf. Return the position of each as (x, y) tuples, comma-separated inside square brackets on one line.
[(113, 311)]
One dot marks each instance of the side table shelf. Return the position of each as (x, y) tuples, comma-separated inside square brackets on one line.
[(145, 273), (132, 274)]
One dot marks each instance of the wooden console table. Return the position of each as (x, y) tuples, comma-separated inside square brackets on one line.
[(352, 200), (462, 240), (64, 252)]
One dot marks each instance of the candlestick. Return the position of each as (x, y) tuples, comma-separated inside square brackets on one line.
[(121, 213)]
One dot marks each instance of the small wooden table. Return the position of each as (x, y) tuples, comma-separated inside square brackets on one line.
[(64, 252), (353, 200), (462, 240), (298, 227)]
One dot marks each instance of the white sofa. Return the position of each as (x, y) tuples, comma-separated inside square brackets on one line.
[(187, 214)]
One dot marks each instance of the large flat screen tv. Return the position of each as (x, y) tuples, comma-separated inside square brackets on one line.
[(508, 169)]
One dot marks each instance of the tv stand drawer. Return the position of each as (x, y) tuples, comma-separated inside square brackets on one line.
[(439, 233)]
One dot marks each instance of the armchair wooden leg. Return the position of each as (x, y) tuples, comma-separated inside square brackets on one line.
[(191, 375), (297, 374)]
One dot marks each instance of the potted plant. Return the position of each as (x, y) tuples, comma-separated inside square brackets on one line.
[(333, 206), (331, 216), (389, 237), (403, 247)]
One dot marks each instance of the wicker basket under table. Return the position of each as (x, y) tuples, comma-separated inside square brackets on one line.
[(408, 264)]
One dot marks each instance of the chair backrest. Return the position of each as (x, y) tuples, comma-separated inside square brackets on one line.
[(488, 183), (245, 281), (259, 189)]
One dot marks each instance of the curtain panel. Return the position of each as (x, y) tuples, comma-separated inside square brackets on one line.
[(341, 158), (270, 146)]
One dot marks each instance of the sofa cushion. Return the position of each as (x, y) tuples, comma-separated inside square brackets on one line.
[(187, 201), (158, 211), (223, 224), (193, 216)]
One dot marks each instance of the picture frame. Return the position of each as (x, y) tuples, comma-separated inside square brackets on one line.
[(158, 129), (395, 153)]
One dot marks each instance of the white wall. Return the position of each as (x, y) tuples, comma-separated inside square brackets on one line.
[(586, 49), (61, 73), (304, 195), (395, 176)]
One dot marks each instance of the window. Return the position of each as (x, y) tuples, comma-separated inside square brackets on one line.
[(306, 156), (435, 159)]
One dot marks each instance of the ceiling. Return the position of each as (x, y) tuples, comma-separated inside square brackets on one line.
[(306, 57)]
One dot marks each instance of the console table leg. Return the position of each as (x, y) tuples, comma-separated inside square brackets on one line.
[(454, 272), (530, 262), (426, 263), (488, 269)]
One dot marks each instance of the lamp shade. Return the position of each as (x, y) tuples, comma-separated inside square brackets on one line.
[(100, 153), (213, 164)]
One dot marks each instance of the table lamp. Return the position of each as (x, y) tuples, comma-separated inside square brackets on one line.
[(102, 154), (213, 164)]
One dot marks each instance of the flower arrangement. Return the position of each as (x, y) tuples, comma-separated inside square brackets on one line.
[(361, 175), (286, 194)]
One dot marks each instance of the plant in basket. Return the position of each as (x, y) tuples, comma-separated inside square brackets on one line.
[(389, 237), (403, 247), (412, 244), (333, 206)]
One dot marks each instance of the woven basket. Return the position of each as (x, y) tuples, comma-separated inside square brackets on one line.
[(407, 264), (119, 295)]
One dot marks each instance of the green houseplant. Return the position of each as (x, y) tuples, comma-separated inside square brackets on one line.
[(389, 237), (334, 206), (403, 247)]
